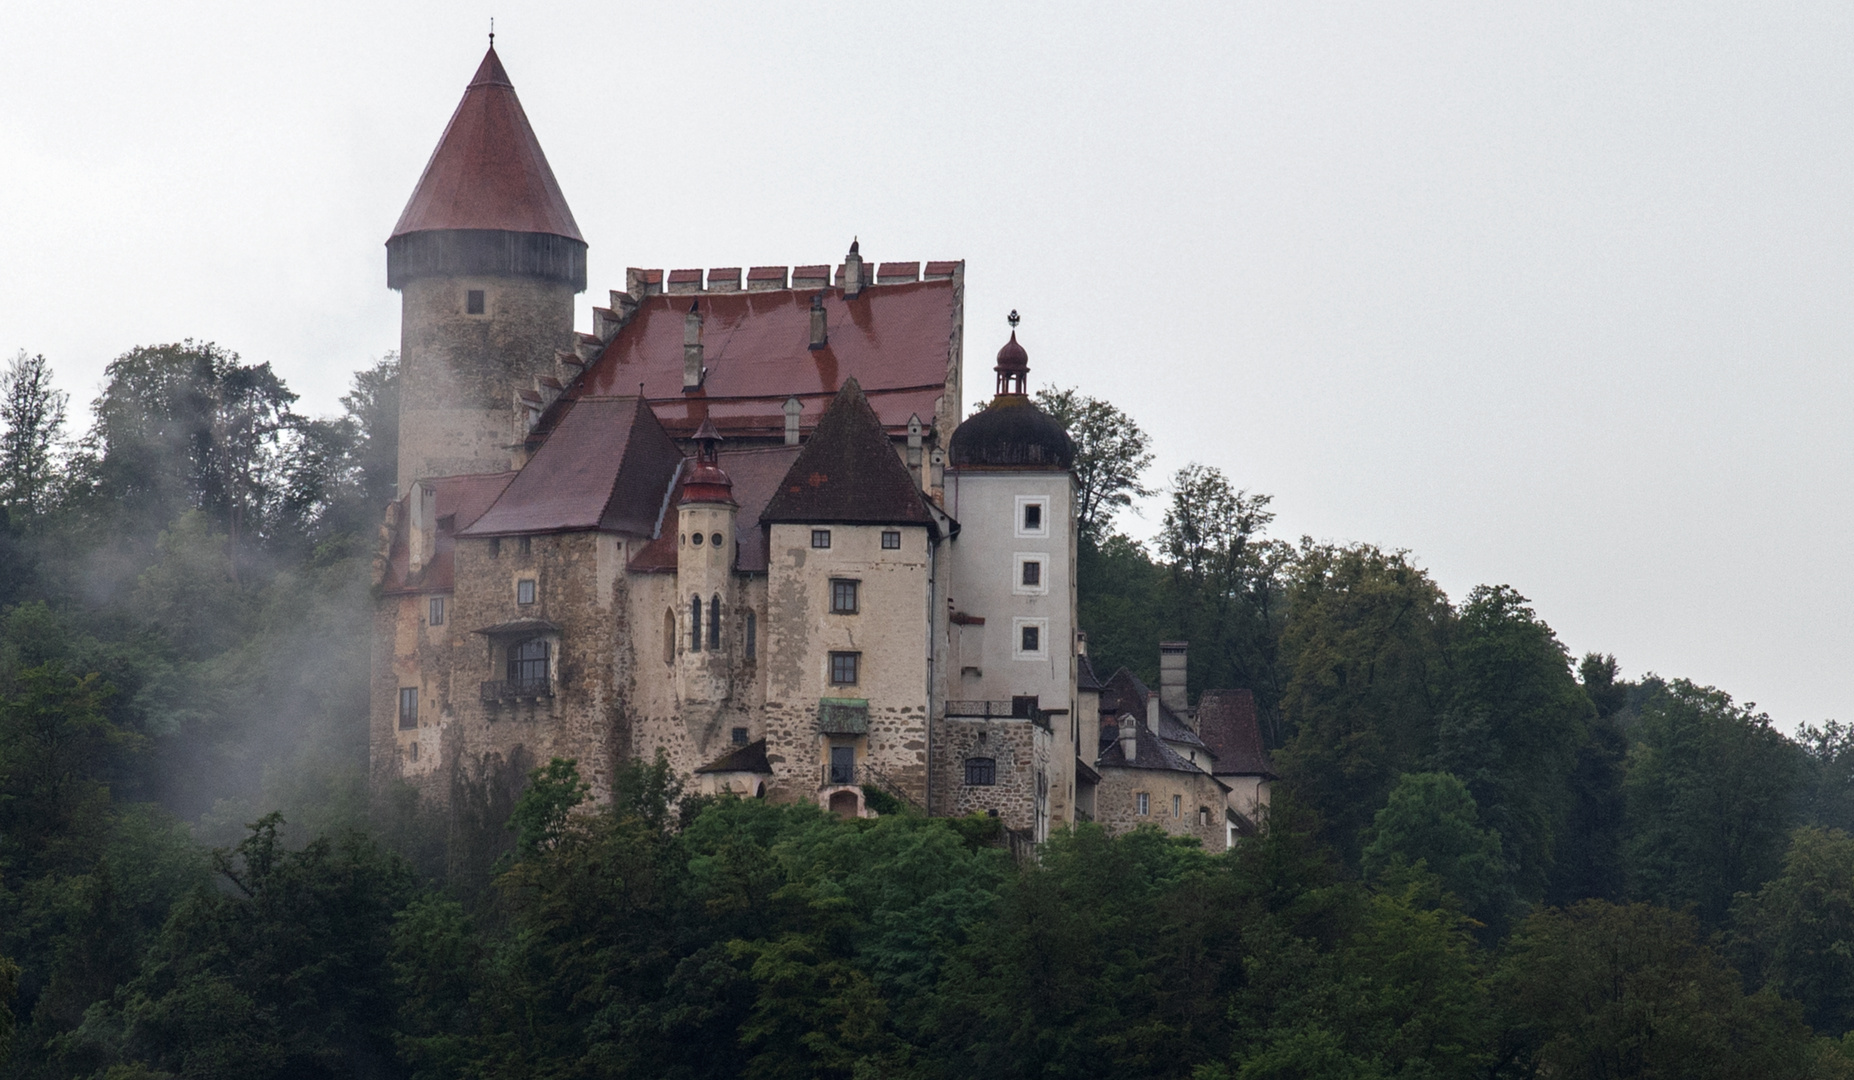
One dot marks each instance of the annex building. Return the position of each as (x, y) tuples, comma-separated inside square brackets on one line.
[(742, 522)]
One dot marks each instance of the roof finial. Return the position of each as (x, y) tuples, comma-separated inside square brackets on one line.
[(1013, 318), (492, 31)]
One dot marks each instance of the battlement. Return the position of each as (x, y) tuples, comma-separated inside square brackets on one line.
[(640, 283)]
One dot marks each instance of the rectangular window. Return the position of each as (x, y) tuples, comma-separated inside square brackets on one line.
[(843, 667), (527, 545), (1144, 808), (842, 765), (891, 539), (1032, 639), (981, 771), (1203, 815), (1023, 707), (437, 611), (753, 634), (473, 302), (1033, 572), (408, 707), (843, 596), (740, 736), (524, 591), (1177, 810), (1033, 517), (820, 538), (495, 547)]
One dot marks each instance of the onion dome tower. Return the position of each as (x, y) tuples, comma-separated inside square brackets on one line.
[(487, 259), (705, 579), (1012, 432)]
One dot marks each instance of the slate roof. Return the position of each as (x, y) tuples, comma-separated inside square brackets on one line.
[(1150, 751), (1124, 693), (488, 171), (755, 474), (1085, 678), (462, 499), (896, 341), (1226, 720), (748, 758), (608, 465), (849, 473)]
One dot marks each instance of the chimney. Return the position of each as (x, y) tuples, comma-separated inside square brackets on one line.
[(1129, 736), (792, 409), (820, 334), (422, 537), (915, 427), (1152, 713), (850, 278), (1172, 676), (692, 348)]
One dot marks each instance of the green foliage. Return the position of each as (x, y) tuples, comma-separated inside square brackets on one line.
[(1710, 793), (9, 987), (1795, 935), (541, 813), (31, 427), (1598, 990), (1111, 453), (58, 751), (1431, 824)]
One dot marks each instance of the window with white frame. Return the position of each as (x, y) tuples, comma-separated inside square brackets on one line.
[(1031, 576), (1144, 802), (1030, 639), (1032, 515)]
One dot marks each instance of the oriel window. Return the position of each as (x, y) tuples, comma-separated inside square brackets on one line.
[(843, 596), (528, 661)]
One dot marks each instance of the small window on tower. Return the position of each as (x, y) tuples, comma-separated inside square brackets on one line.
[(981, 771), (820, 538), (752, 634), (740, 736), (473, 302), (1033, 572), (891, 539), (408, 707), (1033, 517), (437, 611), (1032, 639)]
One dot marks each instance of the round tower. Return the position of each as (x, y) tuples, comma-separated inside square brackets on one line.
[(487, 259), (705, 570)]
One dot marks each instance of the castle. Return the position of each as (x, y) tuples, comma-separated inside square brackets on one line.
[(743, 523)]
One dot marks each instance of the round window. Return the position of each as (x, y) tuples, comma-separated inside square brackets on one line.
[(698, 539), (715, 539)]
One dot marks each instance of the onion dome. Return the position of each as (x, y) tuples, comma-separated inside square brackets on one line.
[(1012, 433), (708, 482)]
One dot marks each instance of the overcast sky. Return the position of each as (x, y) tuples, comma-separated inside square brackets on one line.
[(1552, 295)]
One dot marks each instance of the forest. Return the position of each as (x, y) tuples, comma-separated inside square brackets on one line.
[(1486, 857)]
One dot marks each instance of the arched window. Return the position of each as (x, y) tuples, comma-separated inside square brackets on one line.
[(528, 661), (714, 622), (669, 635), (695, 624), (752, 633)]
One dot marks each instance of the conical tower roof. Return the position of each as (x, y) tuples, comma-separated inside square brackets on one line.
[(488, 171)]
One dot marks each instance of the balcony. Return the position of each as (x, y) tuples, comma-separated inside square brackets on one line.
[(998, 710), (516, 690)]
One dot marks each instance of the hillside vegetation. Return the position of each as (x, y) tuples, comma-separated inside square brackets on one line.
[(1487, 858)]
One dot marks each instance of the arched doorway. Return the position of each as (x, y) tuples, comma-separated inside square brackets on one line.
[(843, 803)]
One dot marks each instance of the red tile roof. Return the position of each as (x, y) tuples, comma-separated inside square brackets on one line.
[(488, 171), (896, 340), (608, 465), (460, 498), (1226, 720), (848, 472)]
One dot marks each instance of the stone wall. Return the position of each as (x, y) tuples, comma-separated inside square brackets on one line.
[(1116, 803)]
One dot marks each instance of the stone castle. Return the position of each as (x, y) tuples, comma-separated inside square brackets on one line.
[(743, 523)]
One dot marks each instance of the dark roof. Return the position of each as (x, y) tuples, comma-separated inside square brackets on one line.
[(748, 758), (1012, 433), (896, 341), (461, 499), (848, 473), (755, 474), (519, 626), (608, 465), (1085, 771), (1152, 753), (1226, 720), (488, 171), (1124, 693), (1085, 678)]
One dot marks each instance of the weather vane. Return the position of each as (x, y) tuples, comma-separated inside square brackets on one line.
[(492, 31), (1013, 318)]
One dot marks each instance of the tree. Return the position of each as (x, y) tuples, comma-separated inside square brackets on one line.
[(58, 751), (31, 422), (1828, 757), (1600, 991), (1111, 452), (1796, 934), (1710, 792), (1431, 824), (1364, 648)]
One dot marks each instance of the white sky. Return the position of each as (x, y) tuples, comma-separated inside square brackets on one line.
[(1554, 295)]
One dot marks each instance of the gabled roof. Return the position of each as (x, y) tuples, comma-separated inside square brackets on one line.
[(748, 758), (1125, 693), (459, 500), (755, 474), (488, 171), (896, 341), (848, 473), (1150, 751), (608, 466), (1226, 720)]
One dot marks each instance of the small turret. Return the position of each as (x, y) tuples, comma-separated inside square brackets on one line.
[(1012, 432)]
